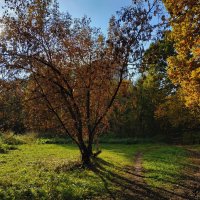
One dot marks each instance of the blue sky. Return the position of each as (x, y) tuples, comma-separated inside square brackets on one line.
[(99, 11)]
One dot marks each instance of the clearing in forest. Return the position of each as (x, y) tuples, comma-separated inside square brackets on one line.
[(51, 171)]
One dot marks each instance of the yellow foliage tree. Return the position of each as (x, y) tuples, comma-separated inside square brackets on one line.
[(184, 68)]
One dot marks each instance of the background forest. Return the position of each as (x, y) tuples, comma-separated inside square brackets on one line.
[(158, 99), (151, 107)]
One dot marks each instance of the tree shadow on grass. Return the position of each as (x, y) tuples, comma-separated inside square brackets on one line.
[(128, 186), (123, 183), (187, 182)]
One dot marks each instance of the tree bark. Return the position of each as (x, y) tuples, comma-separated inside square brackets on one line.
[(86, 157)]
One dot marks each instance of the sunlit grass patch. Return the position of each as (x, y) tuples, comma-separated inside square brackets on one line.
[(52, 171), (31, 172)]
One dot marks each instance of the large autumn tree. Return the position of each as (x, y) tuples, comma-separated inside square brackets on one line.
[(70, 69)]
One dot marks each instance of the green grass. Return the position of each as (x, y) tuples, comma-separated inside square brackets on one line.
[(45, 171), (163, 165), (38, 172)]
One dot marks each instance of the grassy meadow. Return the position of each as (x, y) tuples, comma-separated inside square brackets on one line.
[(37, 170)]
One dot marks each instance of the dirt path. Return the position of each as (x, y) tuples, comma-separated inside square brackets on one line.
[(137, 188), (187, 188), (132, 185), (138, 168)]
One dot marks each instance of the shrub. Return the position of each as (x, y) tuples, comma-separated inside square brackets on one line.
[(13, 139), (4, 148), (10, 139), (54, 140)]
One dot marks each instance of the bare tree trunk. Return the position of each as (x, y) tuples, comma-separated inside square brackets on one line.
[(86, 154), (86, 158)]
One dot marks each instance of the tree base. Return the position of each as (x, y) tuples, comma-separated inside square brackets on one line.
[(97, 153)]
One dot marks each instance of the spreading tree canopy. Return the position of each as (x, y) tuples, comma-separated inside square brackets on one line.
[(68, 67)]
